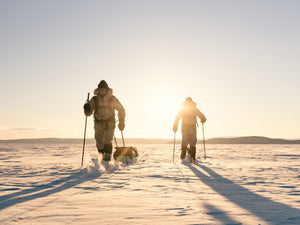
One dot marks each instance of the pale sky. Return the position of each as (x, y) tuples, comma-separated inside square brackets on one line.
[(239, 60)]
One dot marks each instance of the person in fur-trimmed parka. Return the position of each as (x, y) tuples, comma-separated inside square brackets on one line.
[(188, 114), (103, 105)]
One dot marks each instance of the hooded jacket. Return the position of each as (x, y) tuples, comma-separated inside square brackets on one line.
[(104, 107), (188, 114)]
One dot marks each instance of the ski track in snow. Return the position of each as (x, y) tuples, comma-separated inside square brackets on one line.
[(236, 184)]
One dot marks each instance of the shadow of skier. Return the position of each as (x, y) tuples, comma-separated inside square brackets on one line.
[(258, 205), (220, 215), (43, 190)]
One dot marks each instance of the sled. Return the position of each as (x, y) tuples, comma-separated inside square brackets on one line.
[(125, 154)]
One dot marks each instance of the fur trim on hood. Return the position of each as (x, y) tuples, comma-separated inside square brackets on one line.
[(107, 95)]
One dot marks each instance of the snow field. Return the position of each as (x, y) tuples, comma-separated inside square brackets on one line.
[(236, 184)]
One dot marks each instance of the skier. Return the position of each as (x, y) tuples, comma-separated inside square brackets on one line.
[(188, 114), (103, 104)]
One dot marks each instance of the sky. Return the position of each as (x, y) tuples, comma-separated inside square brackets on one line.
[(238, 60)]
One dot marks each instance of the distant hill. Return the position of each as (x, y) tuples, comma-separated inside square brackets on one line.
[(130, 141), (251, 140)]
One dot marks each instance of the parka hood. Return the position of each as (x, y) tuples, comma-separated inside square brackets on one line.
[(189, 103), (107, 95)]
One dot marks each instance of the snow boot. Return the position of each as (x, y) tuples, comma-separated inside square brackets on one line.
[(106, 156), (101, 151), (192, 154), (107, 152)]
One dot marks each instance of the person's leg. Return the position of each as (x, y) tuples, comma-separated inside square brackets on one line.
[(184, 141), (193, 153), (193, 142), (99, 137), (108, 137)]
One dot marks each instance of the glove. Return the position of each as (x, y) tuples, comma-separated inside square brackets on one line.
[(121, 124), (87, 108), (203, 120), (174, 128)]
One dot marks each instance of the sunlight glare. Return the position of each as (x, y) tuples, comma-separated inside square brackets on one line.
[(164, 105)]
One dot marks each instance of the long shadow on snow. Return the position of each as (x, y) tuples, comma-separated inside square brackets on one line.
[(46, 189), (220, 215), (258, 205)]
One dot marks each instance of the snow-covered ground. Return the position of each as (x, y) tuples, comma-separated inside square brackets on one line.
[(236, 184)]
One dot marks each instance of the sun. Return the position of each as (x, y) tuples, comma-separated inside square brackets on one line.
[(164, 105)]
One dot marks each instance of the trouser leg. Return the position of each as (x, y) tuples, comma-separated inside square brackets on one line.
[(107, 152), (193, 152), (99, 137), (104, 133), (184, 144), (183, 152), (185, 141), (109, 133), (108, 148), (108, 137), (192, 139), (193, 142), (189, 136)]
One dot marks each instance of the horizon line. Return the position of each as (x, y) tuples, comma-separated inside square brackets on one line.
[(154, 138)]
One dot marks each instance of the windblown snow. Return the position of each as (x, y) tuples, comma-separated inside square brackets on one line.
[(236, 184)]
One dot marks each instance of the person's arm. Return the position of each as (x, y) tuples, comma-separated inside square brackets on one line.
[(201, 116), (89, 106), (176, 121), (121, 113)]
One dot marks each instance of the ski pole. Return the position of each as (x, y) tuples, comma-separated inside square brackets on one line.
[(174, 146), (203, 141), (115, 141), (124, 146), (88, 97)]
